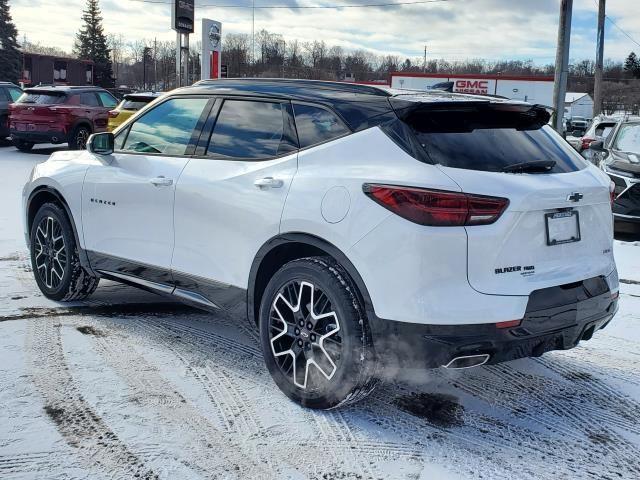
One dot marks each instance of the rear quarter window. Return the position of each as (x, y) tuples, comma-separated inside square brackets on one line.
[(317, 125)]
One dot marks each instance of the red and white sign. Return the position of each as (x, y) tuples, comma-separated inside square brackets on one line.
[(465, 85)]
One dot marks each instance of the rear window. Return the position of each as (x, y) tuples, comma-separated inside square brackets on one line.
[(134, 103), (488, 140), (628, 139), (42, 98)]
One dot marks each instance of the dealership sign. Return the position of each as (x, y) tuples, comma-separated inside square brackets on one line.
[(211, 64), (473, 86), (182, 16)]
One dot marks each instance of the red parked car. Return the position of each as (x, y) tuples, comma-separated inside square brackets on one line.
[(59, 115)]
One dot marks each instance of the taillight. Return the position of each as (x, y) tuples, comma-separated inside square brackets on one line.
[(114, 113), (612, 192), (586, 142), (437, 208)]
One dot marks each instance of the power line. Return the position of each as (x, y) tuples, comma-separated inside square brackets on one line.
[(304, 7), (626, 34)]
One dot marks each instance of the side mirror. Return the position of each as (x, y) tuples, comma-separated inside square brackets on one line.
[(101, 143), (597, 146)]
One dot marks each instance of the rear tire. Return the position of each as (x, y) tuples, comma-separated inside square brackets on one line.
[(320, 356), (23, 145), (78, 138), (54, 257)]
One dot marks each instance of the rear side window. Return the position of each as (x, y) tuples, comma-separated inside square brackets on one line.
[(166, 129), (42, 98), (249, 130), (603, 129), (89, 100), (491, 141), (316, 125)]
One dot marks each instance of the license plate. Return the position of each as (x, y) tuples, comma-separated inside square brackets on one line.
[(562, 227)]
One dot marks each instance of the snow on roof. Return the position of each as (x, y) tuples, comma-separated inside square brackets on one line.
[(571, 97)]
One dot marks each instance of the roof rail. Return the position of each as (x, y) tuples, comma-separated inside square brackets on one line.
[(330, 85)]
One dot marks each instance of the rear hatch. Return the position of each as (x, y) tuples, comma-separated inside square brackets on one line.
[(557, 228), (37, 110)]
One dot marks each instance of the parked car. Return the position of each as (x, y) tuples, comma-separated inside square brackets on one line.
[(59, 115), (129, 105), (576, 123), (619, 157), (599, 128), (9, 93), (354, 225)]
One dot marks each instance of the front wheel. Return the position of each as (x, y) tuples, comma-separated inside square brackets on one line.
[(54, 257), (79, 137), (315, 336)]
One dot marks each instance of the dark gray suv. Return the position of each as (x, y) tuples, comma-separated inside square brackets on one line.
[(9, 93)]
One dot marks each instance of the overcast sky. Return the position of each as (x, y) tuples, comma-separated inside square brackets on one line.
[(452, 29)]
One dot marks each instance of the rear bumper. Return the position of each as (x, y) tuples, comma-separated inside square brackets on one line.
[(39, 137), (557, 318)]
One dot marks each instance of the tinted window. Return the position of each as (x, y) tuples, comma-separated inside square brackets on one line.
[(14, 93), (44, 98), (492, 140), (107, 100), (316, 125), (246, 129), (89, 100), (165, 129)]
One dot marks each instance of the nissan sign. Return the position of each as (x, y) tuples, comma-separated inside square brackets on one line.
[(182, 16)]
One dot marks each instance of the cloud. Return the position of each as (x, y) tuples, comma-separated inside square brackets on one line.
[(455, 29)]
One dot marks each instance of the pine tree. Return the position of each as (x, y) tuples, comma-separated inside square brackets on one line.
[(632, 65), (10, 56), (91, 44)]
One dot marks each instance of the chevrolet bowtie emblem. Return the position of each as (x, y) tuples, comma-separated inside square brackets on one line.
[(575, 197)]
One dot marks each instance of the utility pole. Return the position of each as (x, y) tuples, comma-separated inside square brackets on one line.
[(155, 65), (562, 62), (424, 61), (597, 86), (253, 32)]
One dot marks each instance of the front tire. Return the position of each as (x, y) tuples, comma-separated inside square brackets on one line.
[(315, 336), (54, 257), (79, 137)]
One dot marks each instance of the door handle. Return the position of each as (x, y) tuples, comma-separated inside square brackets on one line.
[(268, 182), (161, 181)]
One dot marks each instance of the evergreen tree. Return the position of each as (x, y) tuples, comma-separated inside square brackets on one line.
[(632, 65), (10, 56), (91, 44)]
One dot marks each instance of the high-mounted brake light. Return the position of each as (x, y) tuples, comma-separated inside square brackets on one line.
[(437, 208)]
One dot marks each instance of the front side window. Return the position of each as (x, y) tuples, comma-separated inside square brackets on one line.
[(165, 129), (14, 93), (316, 125), (107, 100), (249, 130)]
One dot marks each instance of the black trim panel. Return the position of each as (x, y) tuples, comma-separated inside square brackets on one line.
[(110, 263)]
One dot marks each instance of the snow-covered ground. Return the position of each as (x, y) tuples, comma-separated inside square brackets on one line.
[(128, 385)]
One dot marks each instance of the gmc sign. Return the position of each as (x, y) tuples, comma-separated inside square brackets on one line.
[(471, 86)]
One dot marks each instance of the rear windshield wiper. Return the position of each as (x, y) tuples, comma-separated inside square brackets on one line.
[(536, 166)]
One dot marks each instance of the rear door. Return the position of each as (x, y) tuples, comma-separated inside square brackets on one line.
[(128, 197), (230, 197), (557, 228)]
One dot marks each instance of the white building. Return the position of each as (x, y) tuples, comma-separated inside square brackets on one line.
[(532, 89), (577, 104)]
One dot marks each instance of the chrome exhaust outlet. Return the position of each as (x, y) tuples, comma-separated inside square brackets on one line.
[(468, 361)]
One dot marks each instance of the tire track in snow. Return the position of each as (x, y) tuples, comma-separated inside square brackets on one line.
[(225, 453), (83, 429)]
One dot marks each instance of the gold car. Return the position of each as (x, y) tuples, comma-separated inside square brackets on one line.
[(129, 105)]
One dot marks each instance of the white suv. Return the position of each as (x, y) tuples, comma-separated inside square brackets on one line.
[(356, 226)]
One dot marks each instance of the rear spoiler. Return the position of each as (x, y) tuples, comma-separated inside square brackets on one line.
[(406, 110)]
